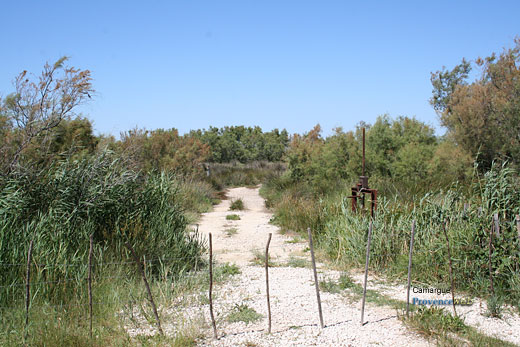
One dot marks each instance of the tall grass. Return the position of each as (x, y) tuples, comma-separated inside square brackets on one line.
[(342, 234), (60, 208)]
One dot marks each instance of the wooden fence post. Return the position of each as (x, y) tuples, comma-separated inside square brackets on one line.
[(317, 284), (409, 269), (27, 287), (90, 281), (211, 287), (140, 265), (366, 273), (267, 280)]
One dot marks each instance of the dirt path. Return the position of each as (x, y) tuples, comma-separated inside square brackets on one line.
[(252, 230), (295, 320), (293, 300)]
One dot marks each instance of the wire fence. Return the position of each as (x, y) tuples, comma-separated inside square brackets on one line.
[(79, 281), (141, 265)]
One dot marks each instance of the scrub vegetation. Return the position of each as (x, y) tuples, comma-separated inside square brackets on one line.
[(60, 184)]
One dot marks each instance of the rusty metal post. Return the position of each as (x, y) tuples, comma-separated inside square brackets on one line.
[(373, 203), (363, 152), (354, 200)]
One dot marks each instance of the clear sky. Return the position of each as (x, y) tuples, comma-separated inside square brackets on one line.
[(276, 64)]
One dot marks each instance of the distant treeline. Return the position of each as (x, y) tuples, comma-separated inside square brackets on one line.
[(482, 118), (147, 150)]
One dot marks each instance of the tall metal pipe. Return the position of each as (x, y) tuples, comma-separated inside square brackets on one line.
[(363, 152)]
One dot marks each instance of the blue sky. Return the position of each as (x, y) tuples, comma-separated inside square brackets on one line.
[(276, 64)]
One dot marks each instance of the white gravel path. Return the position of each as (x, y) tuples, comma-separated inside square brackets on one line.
[(295, 320)]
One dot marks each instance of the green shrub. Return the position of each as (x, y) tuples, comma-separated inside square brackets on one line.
[(232, 217), (236, 174), (344, 236), (231, 231), (243, 313), (494, 306), (60, 207), (433, 320), (236, 205)]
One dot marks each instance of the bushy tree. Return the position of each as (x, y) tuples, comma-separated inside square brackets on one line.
[(243, 144), (483, 116), (37, 107), (399, 148), (164, 150)]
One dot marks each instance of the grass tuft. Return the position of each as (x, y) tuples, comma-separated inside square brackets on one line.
[(236, 205), (231, 231), (259, 259), (297, 262), (243, 313)]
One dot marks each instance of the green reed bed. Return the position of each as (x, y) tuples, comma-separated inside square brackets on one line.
[(344, 236), (61, 207)]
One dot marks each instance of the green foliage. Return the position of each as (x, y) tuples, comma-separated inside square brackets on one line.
[(196, 196), (61, 207), (231, 231), (344, 236), (164, 150), (243, 313), (243, 144), (297, 262), (403, 151), (448, 330), (331, 286), (482, 116), (236, 205), (226, 270), (36, 108), (232, 217), (494, 306), (434, 320), (236, 174)]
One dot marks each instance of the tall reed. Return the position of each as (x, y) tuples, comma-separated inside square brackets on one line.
[(60, 207)]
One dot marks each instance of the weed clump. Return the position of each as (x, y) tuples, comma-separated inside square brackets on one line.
[(243, 313), (231, 231), (236, 205), (232, 217)]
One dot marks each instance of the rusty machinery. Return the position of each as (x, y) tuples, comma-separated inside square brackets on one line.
[(361, 189)]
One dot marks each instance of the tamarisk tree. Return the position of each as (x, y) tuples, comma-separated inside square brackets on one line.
[(37, 106)]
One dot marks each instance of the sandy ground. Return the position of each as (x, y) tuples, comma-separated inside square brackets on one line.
[(295, 319), (253, 229)]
